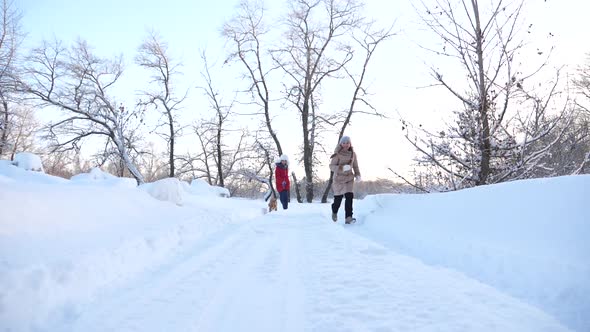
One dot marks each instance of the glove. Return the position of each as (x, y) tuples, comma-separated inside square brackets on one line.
[(346, 168), (358, 178), (284, 184)]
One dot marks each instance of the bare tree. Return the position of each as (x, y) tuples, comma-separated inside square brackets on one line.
[(110, 159), (218, 126), (235, 158), (266, 161), (151, 165), (260, 165), (569, 155), (65, 163), (582, 84), (296, 185), (314, 49), (22, 130), (493, 137), (78, 82), (368, 41), (245, 32), (10, 38), (154, 56), (205, 157)]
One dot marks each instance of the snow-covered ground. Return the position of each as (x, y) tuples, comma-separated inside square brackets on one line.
[(97, 253)]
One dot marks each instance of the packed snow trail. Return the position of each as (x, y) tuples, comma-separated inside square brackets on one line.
[(284, 273)]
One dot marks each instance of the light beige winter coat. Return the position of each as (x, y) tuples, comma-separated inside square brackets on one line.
[(344, 180)]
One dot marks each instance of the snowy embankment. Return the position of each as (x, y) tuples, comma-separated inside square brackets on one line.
[(529, 239), (62, 242)]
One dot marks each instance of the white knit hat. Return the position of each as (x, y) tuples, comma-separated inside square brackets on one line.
[(284, 157), (345, 139)]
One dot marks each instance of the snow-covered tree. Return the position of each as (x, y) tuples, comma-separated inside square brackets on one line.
[(502, 114), (21, 131), (581, 136), (11, 36), (78, 83)]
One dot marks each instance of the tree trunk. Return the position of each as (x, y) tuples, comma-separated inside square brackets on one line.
[(4, 127), (120, 143), (484, 167), (273, 135), (219, 158), (307, 153), (297, 191), (171, 157), (328, 187)]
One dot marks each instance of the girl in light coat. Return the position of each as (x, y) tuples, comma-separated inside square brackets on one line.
[(344, 164)]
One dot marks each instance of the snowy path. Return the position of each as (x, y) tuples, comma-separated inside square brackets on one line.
[(281, 273)]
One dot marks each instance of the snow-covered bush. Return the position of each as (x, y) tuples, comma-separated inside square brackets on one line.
[(201, 187), (97, 176), (169, 189), (28, 161)]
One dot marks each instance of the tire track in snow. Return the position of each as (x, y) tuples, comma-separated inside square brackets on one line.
[(231, 283), (355, 284), (165, 298), (262, 290)]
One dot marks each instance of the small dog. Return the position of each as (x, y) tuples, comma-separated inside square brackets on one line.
[(272, 204)]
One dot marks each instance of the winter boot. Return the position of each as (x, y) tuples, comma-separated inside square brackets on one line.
[(350, 220), (334, 217)]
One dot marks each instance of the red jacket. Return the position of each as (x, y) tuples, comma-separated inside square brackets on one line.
[(282, 177)]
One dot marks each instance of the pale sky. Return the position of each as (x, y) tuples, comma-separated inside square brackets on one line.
[(399, 67)]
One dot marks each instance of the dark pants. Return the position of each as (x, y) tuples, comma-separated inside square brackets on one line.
[(347, 204), (284, 197)]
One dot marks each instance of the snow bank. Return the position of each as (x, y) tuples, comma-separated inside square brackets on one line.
[(62, 244), (530, 239), (12, 173)]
